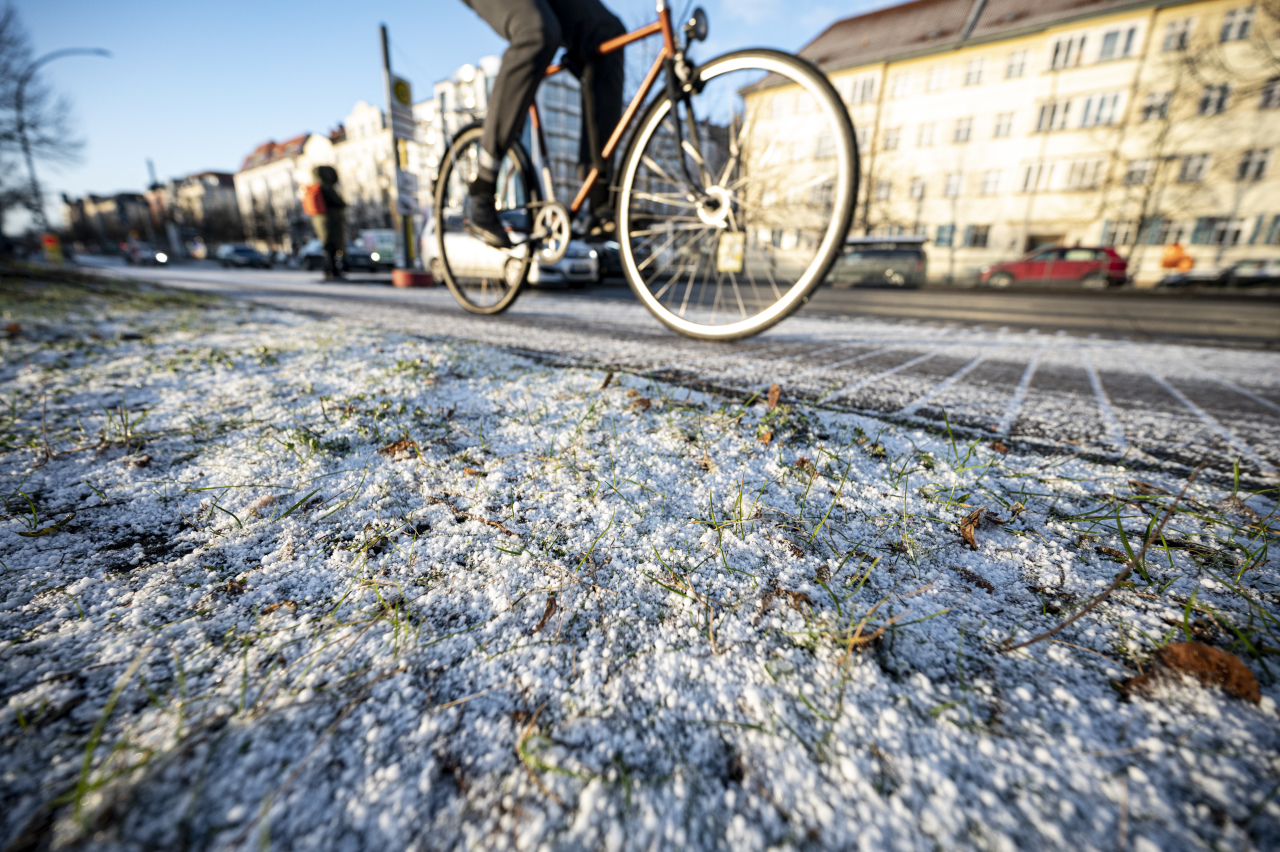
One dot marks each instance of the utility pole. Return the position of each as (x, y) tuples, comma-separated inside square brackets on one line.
[(401, 146), (19, 103)]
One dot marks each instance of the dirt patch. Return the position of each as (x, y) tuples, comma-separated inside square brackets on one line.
[(1206, 664)]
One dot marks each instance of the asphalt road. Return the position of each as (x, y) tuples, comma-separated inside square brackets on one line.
[(1167, 380)]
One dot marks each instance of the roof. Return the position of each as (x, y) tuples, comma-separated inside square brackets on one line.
[(271, 151), (927, 26)]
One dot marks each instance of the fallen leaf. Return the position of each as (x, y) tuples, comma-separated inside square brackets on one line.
[(978, 580), (968, 524), (1111, 553), (1082, 540), (255, 508), (136, 461), (705, 462), (775, 393), (270, 608), (471, 471), (607, 380), (13, 329), (806, 465), (1016, 509), (641, 404), (546, 614), (632, 392), (1211, 666), (1147, 488), (823, 574), (999, 446), (234, 587), (399, 450), (766, 438)]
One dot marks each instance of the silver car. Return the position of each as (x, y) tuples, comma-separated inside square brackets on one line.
[(884, 261), (580, 264)]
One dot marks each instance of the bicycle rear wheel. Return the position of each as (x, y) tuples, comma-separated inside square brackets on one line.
[(484, 280), (723, 239)]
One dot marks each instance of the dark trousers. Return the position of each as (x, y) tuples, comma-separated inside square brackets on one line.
[(535, 30)]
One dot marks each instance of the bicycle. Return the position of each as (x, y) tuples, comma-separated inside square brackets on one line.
[(734, 195)]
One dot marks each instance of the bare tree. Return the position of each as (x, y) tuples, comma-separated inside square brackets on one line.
[(45, 118)]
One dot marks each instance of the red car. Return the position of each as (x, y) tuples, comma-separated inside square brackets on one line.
[(1095, 268)]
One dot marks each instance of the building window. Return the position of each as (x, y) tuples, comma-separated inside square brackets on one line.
[(1270, 94), (991, 182), (1253, 164), (883, 189), (1053, 116), (964, 130), (1176, 35), (825, 148), (937, 78), (917, 188), (1085, 174), (864, 137), (1273, 234), (1213, 100), (1138, 172), (1237, 24), (1162, 232), (925, 136), (1217, 231), (892, 138), (975, 236), (973, 71), (858, 91), (1067, 52), (1036, 176), (1004, 125), (1118, 44), (823, 194), (951, 189), (1156, 106), (1193, 168), (1100, 109), (945, 236), (1119, 233), (1017, 65), (901, 86), (867, 91)]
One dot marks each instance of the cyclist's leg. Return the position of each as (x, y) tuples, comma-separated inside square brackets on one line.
[(533, 34), (587, 24)]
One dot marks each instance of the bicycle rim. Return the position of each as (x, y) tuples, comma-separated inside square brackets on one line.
[(777, 157), (484, 280)]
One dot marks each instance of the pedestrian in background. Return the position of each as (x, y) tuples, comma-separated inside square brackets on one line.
[(324, 205)]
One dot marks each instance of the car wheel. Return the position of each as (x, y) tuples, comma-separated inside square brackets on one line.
[(1000, 279), (1094, 281)]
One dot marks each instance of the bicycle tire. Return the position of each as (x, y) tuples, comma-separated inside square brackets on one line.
[(451, 203), (843, 193)]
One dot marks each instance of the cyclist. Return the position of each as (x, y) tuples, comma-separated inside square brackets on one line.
[(534, 30)]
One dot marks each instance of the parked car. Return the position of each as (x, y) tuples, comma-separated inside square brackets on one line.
[(1242, 273), (609, 260), (579, 265), (895, 261), (144, 254), (1095, 268), (241, 255)]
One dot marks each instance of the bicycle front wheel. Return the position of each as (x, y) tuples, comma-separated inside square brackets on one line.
[(734, 204), (483, 279)]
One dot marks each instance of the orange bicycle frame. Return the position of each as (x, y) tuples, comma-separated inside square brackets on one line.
[(662, 25)]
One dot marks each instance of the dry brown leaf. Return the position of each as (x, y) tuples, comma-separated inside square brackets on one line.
[(13, 329), (999, 446), (632, 392), (546, 614), (257, 506), (806, 465), (1016, 509), (766, 438), (975, 579), (399, 450), (775, 393), (1147, 488), (705, 462), (234, 587), (1211, 666), (471, 471), (270, 608), (641, 404), (136, 461), (969, 523), (607, 380), (1111, 553)]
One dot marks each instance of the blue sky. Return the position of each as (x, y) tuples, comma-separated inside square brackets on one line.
[(198, 86)]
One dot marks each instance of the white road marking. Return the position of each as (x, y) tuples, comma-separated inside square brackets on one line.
[(1213, 425), (1115, 430), (859, 385), (946, 383), (1019, 394)]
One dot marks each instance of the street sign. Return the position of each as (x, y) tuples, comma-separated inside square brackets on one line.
[(406, 193), (400, 96)]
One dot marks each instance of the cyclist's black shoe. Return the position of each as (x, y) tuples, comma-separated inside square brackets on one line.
[(484, 222)]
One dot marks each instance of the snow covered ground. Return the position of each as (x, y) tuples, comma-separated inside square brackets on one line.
[(272, 580)]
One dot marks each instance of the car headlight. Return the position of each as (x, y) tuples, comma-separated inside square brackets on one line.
[(374, 256), (161, 257), (591, 253), (984, 270)]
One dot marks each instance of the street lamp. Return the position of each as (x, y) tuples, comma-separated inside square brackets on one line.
[(37, 200)]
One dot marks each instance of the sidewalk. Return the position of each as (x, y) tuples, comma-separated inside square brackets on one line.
[(272, 578)]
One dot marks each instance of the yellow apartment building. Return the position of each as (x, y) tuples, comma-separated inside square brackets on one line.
[(994, 126)]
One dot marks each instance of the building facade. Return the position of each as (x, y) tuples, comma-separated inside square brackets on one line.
[(995, 126)]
